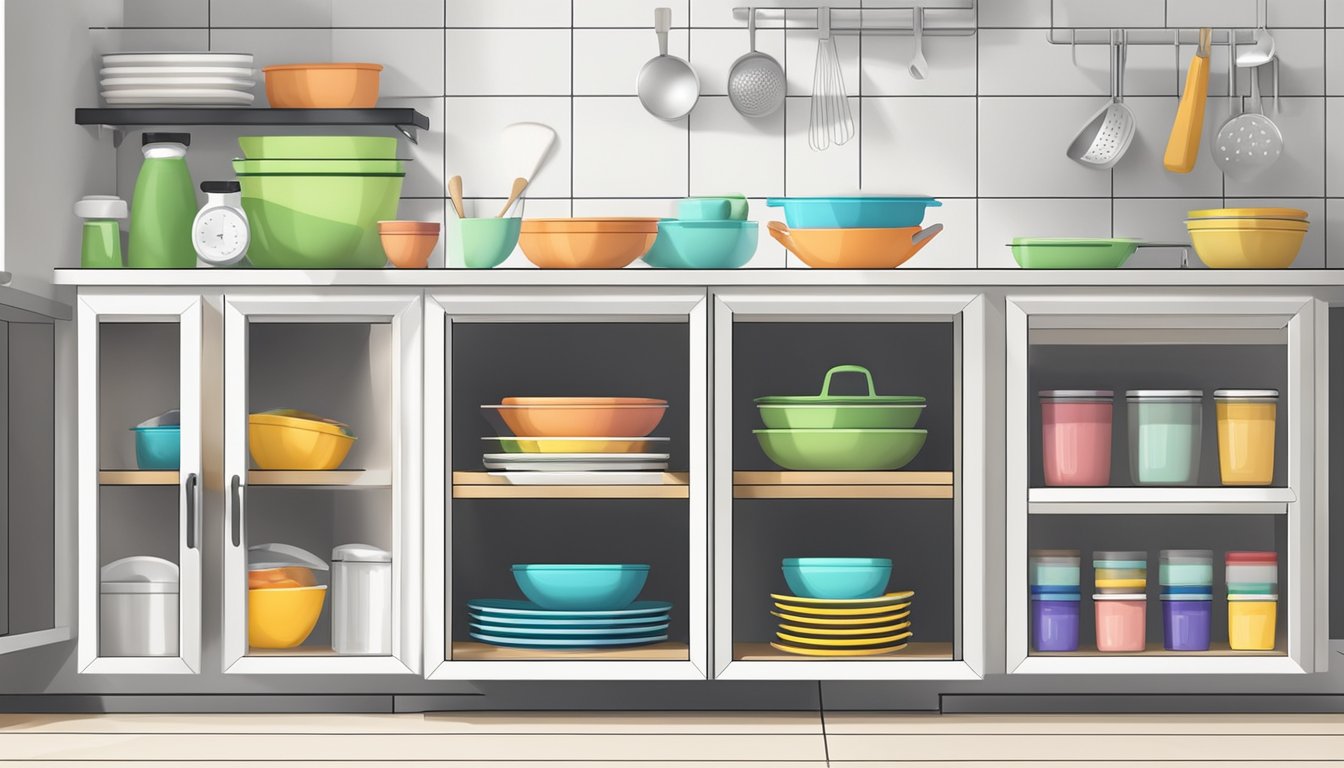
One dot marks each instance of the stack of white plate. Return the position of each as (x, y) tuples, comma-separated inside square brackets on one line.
[(578, 468), (177, 79)]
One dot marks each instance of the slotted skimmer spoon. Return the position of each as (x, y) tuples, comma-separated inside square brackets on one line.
[(1107, 136), (756, 80), (1251, 143)]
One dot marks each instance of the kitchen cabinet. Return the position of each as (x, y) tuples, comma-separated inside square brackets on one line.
[(483, 345), (928, 517), (1120, 343), (139, 356), (355, 359)]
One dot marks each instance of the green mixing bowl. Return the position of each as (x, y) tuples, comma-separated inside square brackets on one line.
[(834, 450), (840, 416), (318, 147), (482, 243), (317, 167), (318, 222), (1072, 253)]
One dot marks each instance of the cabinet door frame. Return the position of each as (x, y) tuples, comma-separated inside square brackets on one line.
[(442, 309), (187, 311), (404, 313), (967, 313), (1303, 324)]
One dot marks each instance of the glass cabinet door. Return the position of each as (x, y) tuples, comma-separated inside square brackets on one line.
[(321, 419), (140, 484)]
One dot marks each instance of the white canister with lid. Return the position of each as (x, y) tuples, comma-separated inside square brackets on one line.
[(361, 608), (138, 608)]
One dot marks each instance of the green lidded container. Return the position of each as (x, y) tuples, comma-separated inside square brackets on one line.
[(1165, 432), (101, 245), (164, 207)]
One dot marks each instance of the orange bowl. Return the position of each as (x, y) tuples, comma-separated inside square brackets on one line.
[(586, 243), (854, 248), (585, 420), (322, 86), (408, 244), (582, 401)]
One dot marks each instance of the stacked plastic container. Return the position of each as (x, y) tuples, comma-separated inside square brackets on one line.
[(1076, 436), (1252, 600), (1121, 601), (1054, 577), (1246, 421), (1165, 427), (1186, 576)]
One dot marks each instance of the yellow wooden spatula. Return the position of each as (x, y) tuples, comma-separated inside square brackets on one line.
[(1183, 145)]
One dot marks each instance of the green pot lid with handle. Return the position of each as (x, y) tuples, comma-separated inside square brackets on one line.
[(826, 398)]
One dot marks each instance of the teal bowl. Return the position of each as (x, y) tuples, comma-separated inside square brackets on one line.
[(158, 447), (837, 578), (482, 243), (703, 244), (581, 587)]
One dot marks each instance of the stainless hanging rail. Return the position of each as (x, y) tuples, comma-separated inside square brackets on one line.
[(1149, 36), (955, 18)]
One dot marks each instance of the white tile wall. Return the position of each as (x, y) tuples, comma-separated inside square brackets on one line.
[(987, 131)]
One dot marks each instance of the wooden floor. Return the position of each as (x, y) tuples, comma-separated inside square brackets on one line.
[(672, 740)]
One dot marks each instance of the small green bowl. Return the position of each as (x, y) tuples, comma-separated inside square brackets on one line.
[(854, 450), (318, 147), (482, 243)]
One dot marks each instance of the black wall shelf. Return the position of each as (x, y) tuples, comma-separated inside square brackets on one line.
[(407, 121)]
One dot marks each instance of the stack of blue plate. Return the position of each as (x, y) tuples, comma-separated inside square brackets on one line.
[(523, 624)]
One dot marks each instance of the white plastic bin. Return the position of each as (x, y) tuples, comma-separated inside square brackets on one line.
[(361, 608), (138, 609)]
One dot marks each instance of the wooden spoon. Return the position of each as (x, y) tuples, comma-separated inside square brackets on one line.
[(519, 184), (455, 191)]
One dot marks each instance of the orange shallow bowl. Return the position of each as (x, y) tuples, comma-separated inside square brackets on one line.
[(628, 224), (854, 248), (323, 86), (586, 420), (589, 401), (587, 249)]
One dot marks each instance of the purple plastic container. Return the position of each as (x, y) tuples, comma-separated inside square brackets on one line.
[(1054, 624), (1185, 624)]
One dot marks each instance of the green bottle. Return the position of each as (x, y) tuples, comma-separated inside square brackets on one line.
[(164, 205)]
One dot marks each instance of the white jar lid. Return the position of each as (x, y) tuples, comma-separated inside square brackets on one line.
[(266, 556), (1246, 394), (1163, 393), (101, 207), (360, 553), (1077, 394), (140, 574), (1134, 596)]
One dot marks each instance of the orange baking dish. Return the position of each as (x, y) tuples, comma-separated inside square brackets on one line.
[(323, 86), (586, 416), (854, 248), (601, 243)]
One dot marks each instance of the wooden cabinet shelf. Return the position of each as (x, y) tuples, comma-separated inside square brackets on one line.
[(138, 477), (336, 478), (483, 485), (912, 652), (843, 485), (668, 651)]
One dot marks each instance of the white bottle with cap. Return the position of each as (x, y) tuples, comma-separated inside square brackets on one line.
[(361, 607)]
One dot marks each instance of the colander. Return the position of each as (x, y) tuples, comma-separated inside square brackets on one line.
[(756, 80), (1250, 143), (1107, 136)]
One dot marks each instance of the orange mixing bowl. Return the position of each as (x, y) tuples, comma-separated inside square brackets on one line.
[(609, 243), (409, 244), (588, 420), (323, 86), (854, 248)]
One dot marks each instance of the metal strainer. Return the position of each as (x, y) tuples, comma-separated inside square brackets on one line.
[(756, 80), (1107, 136), (1250, 143)]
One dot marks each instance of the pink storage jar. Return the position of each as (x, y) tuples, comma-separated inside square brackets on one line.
[(1076, 436), (1122, 623)]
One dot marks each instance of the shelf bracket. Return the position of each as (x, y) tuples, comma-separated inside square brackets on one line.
[(118, 134), (409, 131)]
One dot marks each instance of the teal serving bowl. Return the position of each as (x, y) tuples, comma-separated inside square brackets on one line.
[(837, 578), (581, 587), (158, 447), (723, 244)]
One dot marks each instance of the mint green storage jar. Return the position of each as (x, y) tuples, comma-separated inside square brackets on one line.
[(1165, 432)]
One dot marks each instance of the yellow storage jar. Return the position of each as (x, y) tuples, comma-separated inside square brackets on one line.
[(1246, 422), (1251, 622)]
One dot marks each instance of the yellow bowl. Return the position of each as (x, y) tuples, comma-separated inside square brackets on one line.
[(1247, 249), (574, 444), (1249, 213), (286, 442), (282, 618), (1247, 224)]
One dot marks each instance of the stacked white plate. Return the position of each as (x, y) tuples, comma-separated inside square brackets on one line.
[(578, 468), (177, 79)]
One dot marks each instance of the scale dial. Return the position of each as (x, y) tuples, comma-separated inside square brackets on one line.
[(220, 235)]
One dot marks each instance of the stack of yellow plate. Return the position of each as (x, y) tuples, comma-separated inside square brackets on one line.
[(1248, 238), (868, 627)]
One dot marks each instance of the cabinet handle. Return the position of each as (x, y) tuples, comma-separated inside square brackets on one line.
[(193, 508), (236, 511)]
